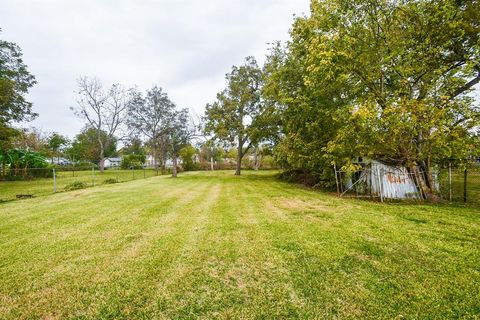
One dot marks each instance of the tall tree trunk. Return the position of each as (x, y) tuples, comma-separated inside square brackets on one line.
[(211, 163), (155, 157), (238, 170), (174, 169), (240, 155), (101, 164)]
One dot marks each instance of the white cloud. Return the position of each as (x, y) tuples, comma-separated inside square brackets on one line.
[(185, 46)]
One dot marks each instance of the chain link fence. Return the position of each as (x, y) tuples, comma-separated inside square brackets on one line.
[(36, 182)]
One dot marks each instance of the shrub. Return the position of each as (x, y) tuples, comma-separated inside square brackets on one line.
[(133, 161), (110, 181), (76, 185)]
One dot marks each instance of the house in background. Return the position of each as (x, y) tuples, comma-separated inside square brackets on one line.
[(150, 162), (113, 162), (61, 161)]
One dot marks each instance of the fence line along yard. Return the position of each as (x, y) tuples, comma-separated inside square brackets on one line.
[(35, 182), (377, 180)]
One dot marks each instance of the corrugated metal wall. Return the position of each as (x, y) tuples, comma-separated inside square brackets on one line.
[(392, 182)]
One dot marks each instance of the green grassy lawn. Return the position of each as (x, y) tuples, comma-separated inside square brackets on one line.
[(44, 186), (473, 187), (212, 245)]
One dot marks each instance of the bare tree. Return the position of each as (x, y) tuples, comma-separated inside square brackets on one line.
[(103, 110)]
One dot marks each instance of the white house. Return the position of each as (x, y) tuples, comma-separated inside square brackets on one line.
[(61, 161), (150, 162), (112, 162)]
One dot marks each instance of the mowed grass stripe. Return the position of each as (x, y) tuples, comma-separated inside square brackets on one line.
[(132, 291), (368, 258), (212, 245), (102, 236)]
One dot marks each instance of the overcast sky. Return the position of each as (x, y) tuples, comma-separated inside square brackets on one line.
[(184, 46)]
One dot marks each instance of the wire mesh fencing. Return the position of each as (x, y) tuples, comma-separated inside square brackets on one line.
[(384, 182), (460, 184), (379, 182), (36, 182)]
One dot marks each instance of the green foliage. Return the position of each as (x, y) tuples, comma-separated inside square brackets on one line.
[(17, 164), (7, 135), (133, 146), (85, 146), (238, 116), (56, 142), (110, 181), (209, 150), (133, 161), (156, 117), (379, 79), (21, 159), (224, 247), (15, 80), (76, 185), (186, 154)]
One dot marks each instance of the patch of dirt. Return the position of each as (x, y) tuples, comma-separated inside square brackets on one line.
[(296, 207), (274, 210), (299, 204)]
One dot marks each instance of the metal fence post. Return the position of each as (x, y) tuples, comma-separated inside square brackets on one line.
[(93, 176), (380, 184), (465, 186), (450, 181), (54, 181), (336, 178)]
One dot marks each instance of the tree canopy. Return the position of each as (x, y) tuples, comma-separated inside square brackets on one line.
[(237, 114), (85, 146), (378, 78), (15, 80)]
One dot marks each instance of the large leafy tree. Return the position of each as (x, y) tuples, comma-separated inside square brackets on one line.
[(133, 145), (85, 146), (237, 116), (156, 118), (187, 155), (55, 143), (15, 80), (178, 135), (379, 78), (149, 118)]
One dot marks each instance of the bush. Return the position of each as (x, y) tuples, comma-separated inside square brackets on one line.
[(307, 178), (110, 181), (133, 161), (76, 185)]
